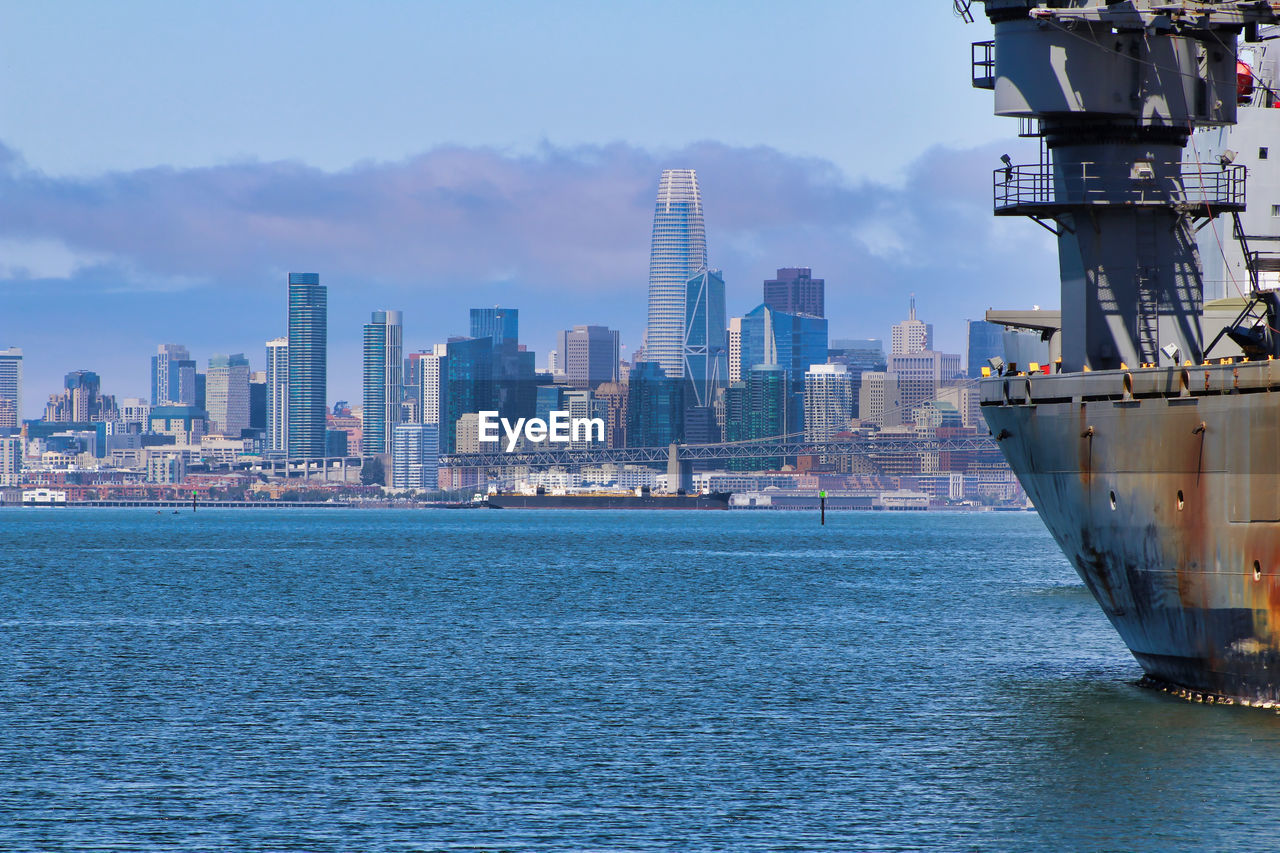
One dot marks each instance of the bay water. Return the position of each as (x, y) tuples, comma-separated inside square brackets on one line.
[(329, 680)]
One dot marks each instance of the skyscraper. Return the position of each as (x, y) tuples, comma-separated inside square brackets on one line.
[(984, 341), (173, 376), (793, 342), (10, 388), (655, 407), (308, 374), (433, 384), (590, 355), (227, 394), (755, 408), (383, 380), (678, 250), (920, 375), (735, 350), (706, 363), (469, 387), (796, 291), (500, 324), (911, 335), (258, 403), (278, 395), (828, 401)]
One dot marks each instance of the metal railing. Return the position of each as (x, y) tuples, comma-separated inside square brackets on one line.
[(983, 59), (1036, 188)]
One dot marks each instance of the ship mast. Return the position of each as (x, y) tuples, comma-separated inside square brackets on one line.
[(1115, 90)]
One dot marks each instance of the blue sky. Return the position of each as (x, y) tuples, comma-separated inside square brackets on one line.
[(164, 165)]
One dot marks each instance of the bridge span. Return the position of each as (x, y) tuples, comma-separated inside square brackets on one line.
[(679, 458)]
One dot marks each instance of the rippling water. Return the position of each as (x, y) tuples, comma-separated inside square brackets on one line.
[(401, 680)]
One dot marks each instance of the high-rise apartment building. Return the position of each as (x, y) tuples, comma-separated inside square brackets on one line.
[(173, 376), (383, 380), (10, 460), (432, 375), (590, 355), (278, 395), (828, 401), (796, 291), (227, 394), (911, 335), (135, 410), (678, 250), (706, 361), (735, 350), (308, 365), (10, 388), (415, 456)]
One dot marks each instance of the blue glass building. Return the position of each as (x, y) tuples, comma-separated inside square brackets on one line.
[(790, 341), (383, 381), (986, 340), (470, 385), (500, 324), (308, 367), (655, 407), (706, 360), (678, 250)]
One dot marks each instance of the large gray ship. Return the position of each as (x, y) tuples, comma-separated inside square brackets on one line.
[(1151, 444)]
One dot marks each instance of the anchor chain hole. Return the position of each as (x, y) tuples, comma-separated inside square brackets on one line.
[(1181, 501), (1257, 570), (1113, 500)]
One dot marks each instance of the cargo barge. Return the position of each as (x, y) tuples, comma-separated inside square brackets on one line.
[(609, 500)]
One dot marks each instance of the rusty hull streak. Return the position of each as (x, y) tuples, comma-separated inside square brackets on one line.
[(1177, 584)]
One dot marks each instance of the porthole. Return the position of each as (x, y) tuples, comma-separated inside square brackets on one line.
[(1181, 500)]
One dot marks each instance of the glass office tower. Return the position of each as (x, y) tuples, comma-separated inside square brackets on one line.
[(308, 367), (678, 250)]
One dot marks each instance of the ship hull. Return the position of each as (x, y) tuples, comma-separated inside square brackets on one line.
[(1162, 487)]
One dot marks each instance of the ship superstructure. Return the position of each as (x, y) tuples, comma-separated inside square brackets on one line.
[(1152, 454)]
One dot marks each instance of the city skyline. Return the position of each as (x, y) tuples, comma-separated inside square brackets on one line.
[(145, 234)]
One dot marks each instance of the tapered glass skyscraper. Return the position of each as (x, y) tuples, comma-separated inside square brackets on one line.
[(308, 348), (678, 250)]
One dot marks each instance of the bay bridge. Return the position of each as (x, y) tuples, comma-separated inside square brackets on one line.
[(679, 458), (873, 449)]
